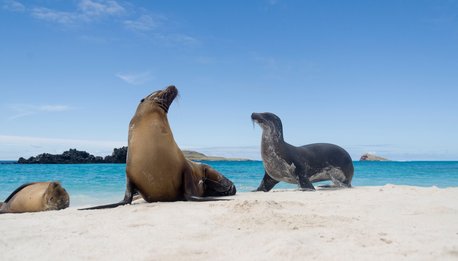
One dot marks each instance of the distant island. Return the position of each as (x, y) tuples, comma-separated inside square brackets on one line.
[(119, 155), (372, 157), (197, 156)]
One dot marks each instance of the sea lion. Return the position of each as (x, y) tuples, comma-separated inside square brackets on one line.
[(299, 165), (156, 166), (34, 197)]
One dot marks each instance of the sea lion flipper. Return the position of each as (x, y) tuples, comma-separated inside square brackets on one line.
[(193, 185), (303, 181), (128, 196), (267, 183)]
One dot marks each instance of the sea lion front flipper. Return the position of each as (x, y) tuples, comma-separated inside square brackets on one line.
[(267, 183), (128, 196)]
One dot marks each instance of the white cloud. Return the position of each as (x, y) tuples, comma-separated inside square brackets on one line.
[(14, 6), (143, 23), (177, 39), (54, 108), (22, 110), (136, 78), (87, 11), (54, 16), (84, 12), (91, 8)]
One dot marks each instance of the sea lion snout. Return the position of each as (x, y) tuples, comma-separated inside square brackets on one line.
[(256, 116), (163, 98), (267, 120)]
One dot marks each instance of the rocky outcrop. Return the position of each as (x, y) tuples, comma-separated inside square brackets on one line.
[(74, 156), (372, 157), (118, 156)]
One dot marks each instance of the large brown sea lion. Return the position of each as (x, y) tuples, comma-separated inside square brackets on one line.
[(156, 166), (34, 197)]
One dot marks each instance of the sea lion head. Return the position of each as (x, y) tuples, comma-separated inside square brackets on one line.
[(159, 99), (269, 123), (215, 183), (56, 197)]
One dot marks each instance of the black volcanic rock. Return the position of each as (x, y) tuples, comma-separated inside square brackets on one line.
[(118, 156), (74, 156)]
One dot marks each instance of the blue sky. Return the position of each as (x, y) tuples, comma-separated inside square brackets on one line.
[(371, 76)]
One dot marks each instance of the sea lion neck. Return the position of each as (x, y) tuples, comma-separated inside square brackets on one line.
[(271, 135)]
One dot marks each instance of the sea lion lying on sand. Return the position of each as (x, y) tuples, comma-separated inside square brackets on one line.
[(156, 166), (38, 196)]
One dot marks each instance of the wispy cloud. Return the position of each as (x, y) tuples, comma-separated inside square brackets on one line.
[(143, 23), (22, 110), (98, 8), (13, 6), (54, 16), (177, 39), (86, 11), (136, 78), (130, 17)]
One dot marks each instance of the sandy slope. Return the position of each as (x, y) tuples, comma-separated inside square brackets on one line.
[(364, 223)]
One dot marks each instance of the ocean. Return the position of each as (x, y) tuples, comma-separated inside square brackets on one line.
[(92, 184)]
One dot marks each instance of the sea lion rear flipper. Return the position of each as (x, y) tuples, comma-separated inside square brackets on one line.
[(194, 188), (303, 181), (193, 185), (128, 196)]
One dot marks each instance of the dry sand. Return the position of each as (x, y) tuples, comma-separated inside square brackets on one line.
[(363, 223)]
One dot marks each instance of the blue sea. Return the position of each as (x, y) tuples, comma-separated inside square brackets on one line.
[(90, 184)]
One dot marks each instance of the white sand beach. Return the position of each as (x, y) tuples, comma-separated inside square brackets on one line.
[(363, 223)]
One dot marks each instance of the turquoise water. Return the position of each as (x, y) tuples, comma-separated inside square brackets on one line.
[(90, 184)]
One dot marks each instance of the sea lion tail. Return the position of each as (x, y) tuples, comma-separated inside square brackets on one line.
[(131, 191), (107, 206)]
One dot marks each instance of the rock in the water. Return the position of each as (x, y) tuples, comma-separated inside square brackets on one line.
[(372, 157)]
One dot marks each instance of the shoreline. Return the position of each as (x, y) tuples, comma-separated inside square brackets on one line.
[(379, 222)]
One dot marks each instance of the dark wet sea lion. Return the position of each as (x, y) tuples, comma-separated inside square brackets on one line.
[(34, 197), (299, 165), (156, 166)]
